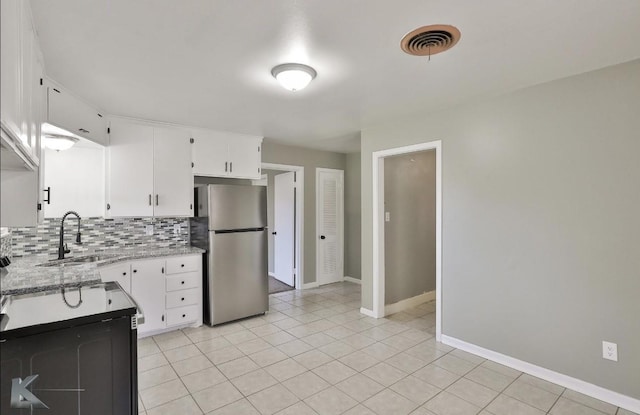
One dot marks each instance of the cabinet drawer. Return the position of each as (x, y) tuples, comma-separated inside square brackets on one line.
[(183, 297), (182, 315), (183, 282), (183, 264)]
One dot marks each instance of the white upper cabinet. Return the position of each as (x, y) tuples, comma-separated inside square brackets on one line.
[(222, 154), (130, 171), (70, 113), (11, 48), (149, 171), (173, 179)]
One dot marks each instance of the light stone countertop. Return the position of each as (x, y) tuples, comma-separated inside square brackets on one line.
[(25, 275)]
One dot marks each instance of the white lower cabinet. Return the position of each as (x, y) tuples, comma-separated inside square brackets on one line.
[(168, 290)]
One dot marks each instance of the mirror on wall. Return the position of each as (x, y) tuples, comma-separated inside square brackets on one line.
[(74, 179)]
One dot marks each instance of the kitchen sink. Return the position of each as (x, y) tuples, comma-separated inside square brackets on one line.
[(76, 261)]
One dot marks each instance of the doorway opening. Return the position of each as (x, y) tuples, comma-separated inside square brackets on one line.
[(385, 303), (285, 219)]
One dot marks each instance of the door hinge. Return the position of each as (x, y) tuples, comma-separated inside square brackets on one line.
[(191, 140), (108, 206)]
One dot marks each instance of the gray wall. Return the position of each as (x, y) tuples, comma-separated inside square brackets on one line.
[(310, 159), (410, 235), (541, 231), (352, 218)]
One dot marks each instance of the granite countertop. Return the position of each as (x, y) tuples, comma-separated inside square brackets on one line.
[(25, 275)]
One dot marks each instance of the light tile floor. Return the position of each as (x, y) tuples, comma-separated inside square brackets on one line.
[(314, 353)]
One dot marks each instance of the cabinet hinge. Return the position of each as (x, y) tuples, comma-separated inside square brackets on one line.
[(39, 206), (108, 130), (258, 149), (99, 115), (258, 169), (191, 206), (191, 140), (56, 90), (108, 206), (41, 81), (192, 165)]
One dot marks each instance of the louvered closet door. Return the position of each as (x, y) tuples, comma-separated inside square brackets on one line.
[(329, 225)]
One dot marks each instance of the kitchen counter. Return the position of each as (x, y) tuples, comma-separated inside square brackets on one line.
[(25, 275)]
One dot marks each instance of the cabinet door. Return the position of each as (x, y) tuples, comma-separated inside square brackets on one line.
[(11, 71), (173, 178), (148, 289), (120, 273), (130, 170), (68, 112), (210, 153), (244, 157)]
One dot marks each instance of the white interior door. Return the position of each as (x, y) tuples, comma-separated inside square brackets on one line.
[(329, 225), (284, 227)]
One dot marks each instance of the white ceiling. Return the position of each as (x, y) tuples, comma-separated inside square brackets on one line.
[(207, 62)]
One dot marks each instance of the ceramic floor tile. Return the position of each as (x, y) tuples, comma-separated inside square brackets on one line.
[(268, 357), (436, 376), (183, 406), (385, 374), (390, 402), (306, 384), (285, 369), (254, 382), (241, 407), (155, 377), (253, 346), (191, 365), (455, 365), (415, 389), (181, 353), (542, 384), (151, 362), (529, 394), (217, 396), (203, 379), (273, 399), (360, 387), (238, 367), (472, 392), (226, 354), (589, 401), (489, 378), (294, 347), (163, 393), (337, 349), (406, 362), (334, 372), (503, 370), (359, 361), (330, 402), (447, 404), (213, 344), (504, 405), (298, 408), (312, 359), (360, 410)]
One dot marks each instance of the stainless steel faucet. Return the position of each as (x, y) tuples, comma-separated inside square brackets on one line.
[(62, 247)]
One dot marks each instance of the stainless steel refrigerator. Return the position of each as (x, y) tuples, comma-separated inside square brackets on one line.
[(230, 223)]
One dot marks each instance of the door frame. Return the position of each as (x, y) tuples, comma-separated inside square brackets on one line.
[(340, 231), (299, 233), (378, 226)]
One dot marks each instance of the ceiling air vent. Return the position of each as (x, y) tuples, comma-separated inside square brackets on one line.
[(430, 40)]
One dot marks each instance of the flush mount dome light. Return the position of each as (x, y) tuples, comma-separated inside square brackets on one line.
[(293, 76), (59, 142)]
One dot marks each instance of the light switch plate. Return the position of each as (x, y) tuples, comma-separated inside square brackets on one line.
[(148, 230), (610, 351), (387, 216)]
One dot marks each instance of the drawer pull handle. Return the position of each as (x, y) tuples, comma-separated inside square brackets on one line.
[(135, 270), (182, 283), (182, 265), (124, 273), (182, 299), (184, 315)]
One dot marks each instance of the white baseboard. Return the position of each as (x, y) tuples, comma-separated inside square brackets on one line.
[(409, 303), (597, 392), (368, 312), (271, 274), (310, 285), (353, 280)]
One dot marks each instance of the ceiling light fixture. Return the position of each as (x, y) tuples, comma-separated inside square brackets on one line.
[(293, 76), (59, 142)]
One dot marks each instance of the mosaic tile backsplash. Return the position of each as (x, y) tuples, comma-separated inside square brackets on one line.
[(98, 233), (5, 244)]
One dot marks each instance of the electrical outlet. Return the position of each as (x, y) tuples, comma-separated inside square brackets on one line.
[(148, 230), (387, 216), (176, 229), (610, 351)]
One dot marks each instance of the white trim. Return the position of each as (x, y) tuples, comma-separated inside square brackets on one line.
[(341, 227), (299, 245), (353, 280), (589, 389), (367, 312), (378, 226), (271, 274), (310, 285), (409, 303)]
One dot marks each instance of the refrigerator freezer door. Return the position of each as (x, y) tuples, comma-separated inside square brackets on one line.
[(237, 285), (237, 207)]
